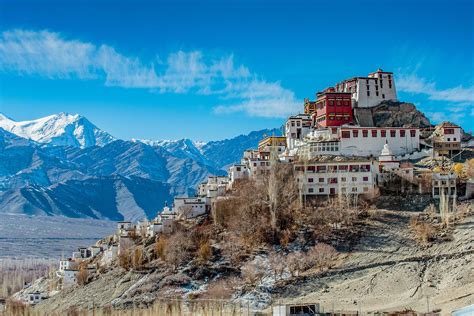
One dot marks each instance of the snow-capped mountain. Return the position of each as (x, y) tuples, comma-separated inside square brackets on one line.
[(58, 130), (108, 179)]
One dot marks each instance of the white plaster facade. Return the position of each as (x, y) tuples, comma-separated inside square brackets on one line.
[(369, 141), (70, 277), (371, 90), (35, 298), (237, 172), (191, 206), (296, 128), (444, 183), (337, 177)]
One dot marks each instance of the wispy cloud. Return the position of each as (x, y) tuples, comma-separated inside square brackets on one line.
[(51, 55), (457, 102), (418, 85)]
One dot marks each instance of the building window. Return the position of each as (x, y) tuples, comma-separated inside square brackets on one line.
[(383, 133), (365, 133), (412, 133), (374, 133), (393, 133), (366, 178), (343, 179), (321, 180), (376, 93), (346, 134), (355, 133), (368, 93), (383, 96), (448, 131), (321, 190), (354, 189), (310, 190), (354, 179), (402, 133), (310, 180)]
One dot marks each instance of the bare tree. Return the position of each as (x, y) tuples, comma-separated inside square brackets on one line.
[(276, 263)]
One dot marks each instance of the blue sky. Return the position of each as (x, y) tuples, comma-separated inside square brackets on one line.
[(214, 69)]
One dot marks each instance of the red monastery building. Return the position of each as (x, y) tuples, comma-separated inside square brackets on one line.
[(333, 108)]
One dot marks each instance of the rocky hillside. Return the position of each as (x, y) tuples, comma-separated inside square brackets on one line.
[(386, 269), (389, 113)]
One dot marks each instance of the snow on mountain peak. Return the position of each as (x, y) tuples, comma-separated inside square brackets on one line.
[(61, 129)]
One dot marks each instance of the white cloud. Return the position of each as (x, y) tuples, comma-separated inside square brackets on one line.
[(458, 102), (48, 54), (417, 85)]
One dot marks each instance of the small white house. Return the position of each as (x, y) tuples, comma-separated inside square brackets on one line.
[(154, 228), (69, 263), (94, 250), (444, 183), (295, 309), (35, 298), (190, 207), (70, 277)]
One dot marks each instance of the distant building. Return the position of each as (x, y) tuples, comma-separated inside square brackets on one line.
[(65, 264), (271, 144), (70, 277), (370, 91), (447, 140), (35, 298), (238, 172), (295, 309), (296, 128), (444, 184), (190, 207)]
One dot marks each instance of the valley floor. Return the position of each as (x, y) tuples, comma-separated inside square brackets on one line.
[(23, 236)]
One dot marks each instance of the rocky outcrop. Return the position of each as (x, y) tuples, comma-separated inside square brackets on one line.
[(391, 114)]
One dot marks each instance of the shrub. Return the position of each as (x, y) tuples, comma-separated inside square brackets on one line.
[(160, 246), (177, 249), (276, 263), (137, 260), (204, 253), (252, 272), (321, 256), (82, 276), (424, 232), (221, 289)]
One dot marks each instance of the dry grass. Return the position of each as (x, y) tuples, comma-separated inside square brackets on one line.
[(160, 307), (15, 272)]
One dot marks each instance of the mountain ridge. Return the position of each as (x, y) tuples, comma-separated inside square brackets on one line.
[(107, 181)]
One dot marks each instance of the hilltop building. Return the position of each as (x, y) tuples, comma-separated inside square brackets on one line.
[(332, 108), (370, 91)]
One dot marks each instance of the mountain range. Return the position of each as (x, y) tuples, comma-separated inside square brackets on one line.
[(65, 165)]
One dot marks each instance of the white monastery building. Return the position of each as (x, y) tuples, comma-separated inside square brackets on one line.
[(337, 176), (371, 90)]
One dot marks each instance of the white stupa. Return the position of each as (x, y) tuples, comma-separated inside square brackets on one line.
[(387, 159)]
